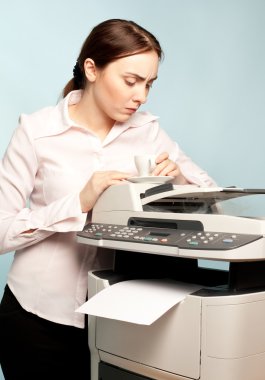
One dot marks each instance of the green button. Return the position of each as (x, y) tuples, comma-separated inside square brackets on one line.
[(193, 243)]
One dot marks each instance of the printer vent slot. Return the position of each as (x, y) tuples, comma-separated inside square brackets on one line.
[(175, 224)]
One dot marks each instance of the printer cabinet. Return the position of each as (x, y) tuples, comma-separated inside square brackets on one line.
[(203, 337)]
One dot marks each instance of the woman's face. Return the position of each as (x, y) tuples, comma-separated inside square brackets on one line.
[(122, 86)]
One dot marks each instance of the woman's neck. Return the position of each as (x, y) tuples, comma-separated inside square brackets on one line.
[(86, 114)]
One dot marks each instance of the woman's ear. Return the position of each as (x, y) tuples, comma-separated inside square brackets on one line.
[(90, 70)]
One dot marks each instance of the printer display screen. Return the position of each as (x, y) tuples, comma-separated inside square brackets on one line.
[(156, 233)]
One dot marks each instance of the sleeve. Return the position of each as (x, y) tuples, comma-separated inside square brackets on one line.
[(191, 171), (17, 175)]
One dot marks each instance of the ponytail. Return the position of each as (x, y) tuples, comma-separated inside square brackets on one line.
[(70, 86), (77, 82)]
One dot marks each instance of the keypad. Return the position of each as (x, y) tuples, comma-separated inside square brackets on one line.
[(185, 239)]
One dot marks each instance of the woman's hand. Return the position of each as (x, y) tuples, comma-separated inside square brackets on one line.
[(99, 182), (166, 167)]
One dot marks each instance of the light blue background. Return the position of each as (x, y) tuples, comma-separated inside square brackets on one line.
[(210, 94)]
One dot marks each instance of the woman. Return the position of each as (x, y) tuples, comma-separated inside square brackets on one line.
[(60, 159)]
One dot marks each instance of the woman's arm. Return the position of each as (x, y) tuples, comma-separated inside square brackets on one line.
[(20, 226)]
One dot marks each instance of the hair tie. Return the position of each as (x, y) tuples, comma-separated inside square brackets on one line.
[(78, 75)]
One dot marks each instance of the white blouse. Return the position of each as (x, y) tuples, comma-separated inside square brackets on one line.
[(47, 163)]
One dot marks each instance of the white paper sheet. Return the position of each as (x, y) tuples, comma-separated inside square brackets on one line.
[(137, 301)]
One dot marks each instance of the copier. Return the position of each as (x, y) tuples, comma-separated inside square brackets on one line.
[(165, 231)]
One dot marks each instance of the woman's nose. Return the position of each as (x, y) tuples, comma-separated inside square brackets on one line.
[(141, 96)]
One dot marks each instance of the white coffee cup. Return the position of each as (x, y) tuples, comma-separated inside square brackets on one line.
[(145, 164)]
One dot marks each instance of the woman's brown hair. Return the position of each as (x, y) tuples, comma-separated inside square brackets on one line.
[(108, 41)]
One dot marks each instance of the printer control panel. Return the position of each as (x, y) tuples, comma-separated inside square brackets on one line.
[(185, 239)]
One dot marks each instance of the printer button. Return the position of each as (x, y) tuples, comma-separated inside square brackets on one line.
[(148, 238), (193, 242)]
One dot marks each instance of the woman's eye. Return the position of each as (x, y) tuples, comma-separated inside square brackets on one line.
[(129, 83)]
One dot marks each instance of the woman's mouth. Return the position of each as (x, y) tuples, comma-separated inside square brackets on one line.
[(131, 110)]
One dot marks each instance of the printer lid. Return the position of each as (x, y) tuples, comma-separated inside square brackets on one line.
[(182, 193), (233, 201)]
